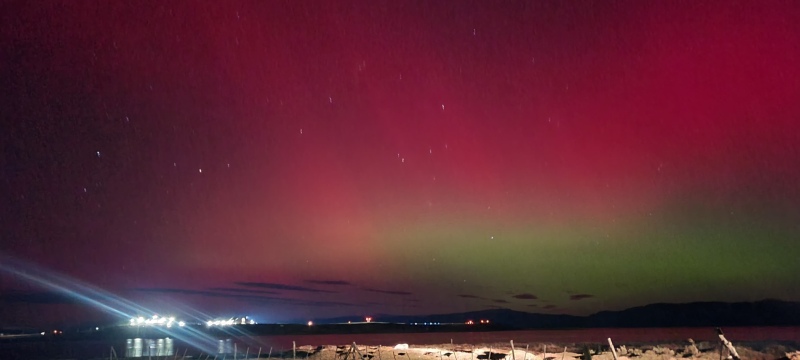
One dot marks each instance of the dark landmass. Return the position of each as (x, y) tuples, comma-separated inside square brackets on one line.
[(697, 314)]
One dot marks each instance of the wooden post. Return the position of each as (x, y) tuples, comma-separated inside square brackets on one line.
[(490, 353), (613, 351), (270, 353), (525, 354), (294, 350), (564, 353), (259, 353), (731, 350), (247, 353), (355, 347), (544, 353), (513, 355), (379, 352)]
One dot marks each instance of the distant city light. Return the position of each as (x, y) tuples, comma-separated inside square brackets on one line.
[(310, 323), (368, 318), (245, 320), (155, 321)]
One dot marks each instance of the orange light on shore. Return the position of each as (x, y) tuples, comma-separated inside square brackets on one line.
[(310, 323), (368, 318), (470, 322)]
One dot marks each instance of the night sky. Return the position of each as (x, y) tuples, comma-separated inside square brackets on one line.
[(307, 159)]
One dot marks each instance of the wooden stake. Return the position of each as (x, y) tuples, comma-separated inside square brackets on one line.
[(259, 353), (564, 353), (361, 357), (294, 350), (270, 353), (379, 352), (731, 350), (613, 351), (513, 356), (525, 354), (247, 353), (544, 353), (490, 353), (184, 353)]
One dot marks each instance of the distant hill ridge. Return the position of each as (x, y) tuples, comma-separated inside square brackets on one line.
[(759, 313)]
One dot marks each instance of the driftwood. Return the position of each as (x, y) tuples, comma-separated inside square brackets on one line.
[(613, 351), (728, 345)]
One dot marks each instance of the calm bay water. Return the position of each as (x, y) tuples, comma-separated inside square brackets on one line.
[(98, 349)]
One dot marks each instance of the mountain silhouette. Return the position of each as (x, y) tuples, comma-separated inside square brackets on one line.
[(759, 313)]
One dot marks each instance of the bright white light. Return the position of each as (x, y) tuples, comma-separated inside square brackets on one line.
[(209, 323), (41, 333), (181, 323), (97, 328), (310, 323), (252, 322)]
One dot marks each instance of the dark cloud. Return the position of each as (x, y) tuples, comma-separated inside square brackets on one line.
[(207, 293), (551, 306), (468, 296), (390, 292), (500, 301), (248, 291), (526, 296), (275, 286), (37, 298), (327, 303), (580, 296), (190, 292), (253, 299), (328, 282)]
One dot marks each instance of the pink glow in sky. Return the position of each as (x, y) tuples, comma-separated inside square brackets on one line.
[(390, 156)]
